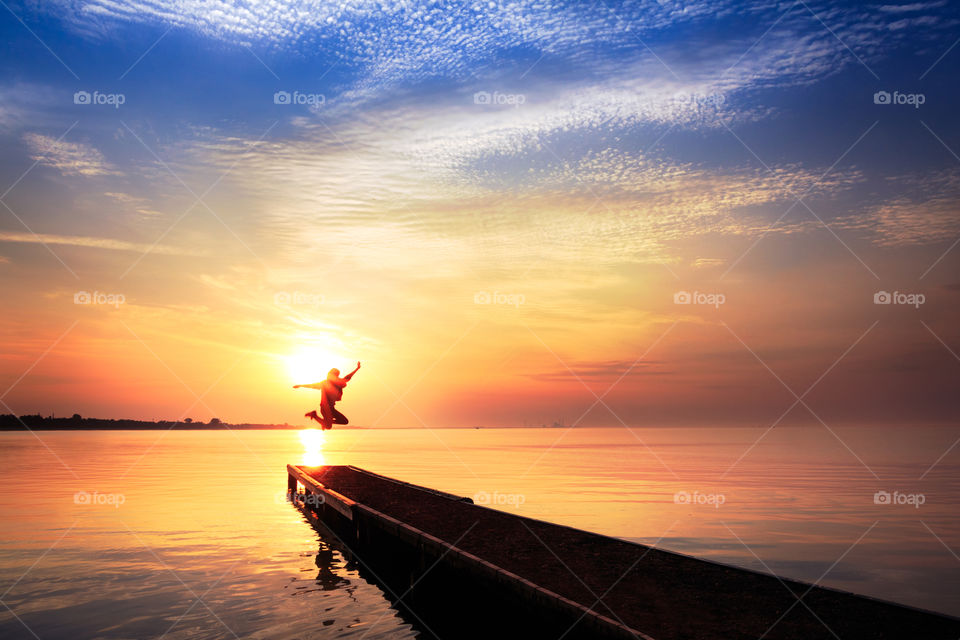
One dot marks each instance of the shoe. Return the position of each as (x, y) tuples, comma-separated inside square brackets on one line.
[(312, 414)]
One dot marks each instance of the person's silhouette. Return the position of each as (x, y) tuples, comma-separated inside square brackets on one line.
[(332, 389)]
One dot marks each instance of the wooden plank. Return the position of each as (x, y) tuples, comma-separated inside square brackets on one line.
[(479, 567), (337, 501)]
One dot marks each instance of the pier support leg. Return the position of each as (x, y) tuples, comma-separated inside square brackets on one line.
[(291, 485)]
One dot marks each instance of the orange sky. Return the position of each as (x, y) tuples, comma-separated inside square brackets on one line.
[(432, 355), (498, 231)]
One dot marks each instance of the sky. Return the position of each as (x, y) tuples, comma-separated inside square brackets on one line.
[(603, 214)]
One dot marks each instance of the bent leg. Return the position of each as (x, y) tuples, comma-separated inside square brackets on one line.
[(327, 412), (338, 418)]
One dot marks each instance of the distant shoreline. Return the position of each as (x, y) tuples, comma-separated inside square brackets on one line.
[(159, 427), (76, 422)]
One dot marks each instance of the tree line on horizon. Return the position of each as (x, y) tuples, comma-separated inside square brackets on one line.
[(9, 421)]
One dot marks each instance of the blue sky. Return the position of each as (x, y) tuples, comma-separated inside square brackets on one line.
[(630, 149), (796, 80)]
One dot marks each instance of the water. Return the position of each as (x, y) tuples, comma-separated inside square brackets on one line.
[(188, 534)]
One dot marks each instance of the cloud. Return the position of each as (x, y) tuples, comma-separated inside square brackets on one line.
[(388, 41), (374, 27), (427, 178), (922, 211), (91, 242), (69, 158), (905, 223), (132, 203), (609, 370), (708, 263), (908, 8), (369, 189)]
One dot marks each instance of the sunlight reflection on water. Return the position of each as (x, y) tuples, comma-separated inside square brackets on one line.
[(313, 440)]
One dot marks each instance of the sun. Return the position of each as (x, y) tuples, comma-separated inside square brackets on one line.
[(310, 364)]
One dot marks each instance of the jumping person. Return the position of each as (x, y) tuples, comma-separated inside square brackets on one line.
[(332, 389)]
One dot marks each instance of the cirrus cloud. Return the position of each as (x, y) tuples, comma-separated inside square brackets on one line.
[(69, 158)]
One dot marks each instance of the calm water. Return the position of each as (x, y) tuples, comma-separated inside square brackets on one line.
[(187, 534)]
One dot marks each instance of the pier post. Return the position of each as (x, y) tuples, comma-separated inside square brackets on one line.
[(291, 484)]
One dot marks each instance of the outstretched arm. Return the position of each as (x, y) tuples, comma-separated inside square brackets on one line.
[(314, 385), (350, 375)]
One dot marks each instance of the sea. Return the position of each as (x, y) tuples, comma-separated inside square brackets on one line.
[(189, 534)]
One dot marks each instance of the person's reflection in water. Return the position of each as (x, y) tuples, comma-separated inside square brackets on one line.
[(326, 561)]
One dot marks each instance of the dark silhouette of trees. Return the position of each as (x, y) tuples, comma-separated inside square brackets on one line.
[(10, 422)]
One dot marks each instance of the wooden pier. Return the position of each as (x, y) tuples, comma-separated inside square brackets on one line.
[(461, 570)]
